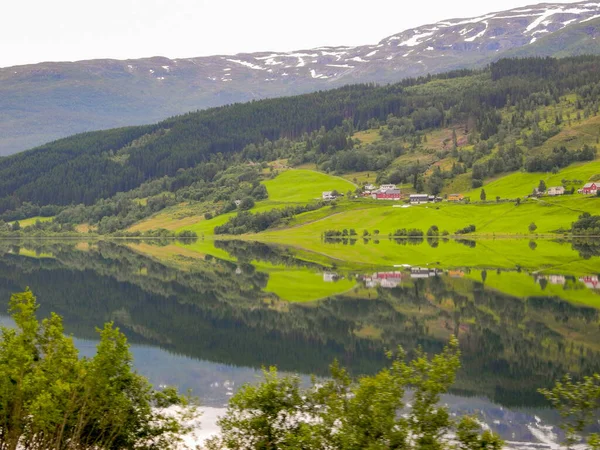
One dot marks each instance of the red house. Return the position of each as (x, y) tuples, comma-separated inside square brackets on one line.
[(589, 188), (390, 194)]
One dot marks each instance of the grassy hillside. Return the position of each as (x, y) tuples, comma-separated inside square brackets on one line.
[(520, 184), (302, 186)]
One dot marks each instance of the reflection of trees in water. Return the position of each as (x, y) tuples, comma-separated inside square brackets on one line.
[(216, 310), (587, 247)]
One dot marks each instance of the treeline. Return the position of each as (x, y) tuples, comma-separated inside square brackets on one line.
[(85, 168), (559, 158), (246, 222), (586, 225)]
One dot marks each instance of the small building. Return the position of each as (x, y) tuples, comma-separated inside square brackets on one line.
[(387, 187), (328, 195), (556, 190), (370, 187), (455, 197), (589, 189), (416, 199), (237, 202), (390, 194)]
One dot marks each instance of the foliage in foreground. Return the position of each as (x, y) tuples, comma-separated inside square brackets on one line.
[(371, 413), (578, 403), (52, 399)]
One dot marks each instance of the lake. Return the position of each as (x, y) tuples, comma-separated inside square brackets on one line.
[(207, 315)]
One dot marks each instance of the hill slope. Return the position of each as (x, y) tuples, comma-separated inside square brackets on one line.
[(42, 102)]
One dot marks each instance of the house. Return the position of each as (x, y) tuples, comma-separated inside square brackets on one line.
[(556, 190), (455, 197), (433, 199), (389, 194), (370, 187), (589, 189), (416, 199), (328, 195), (387, 187), (237, 202)]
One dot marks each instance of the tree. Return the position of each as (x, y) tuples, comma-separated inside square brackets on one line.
[(49, 398), (577, 403), (246, 204), (16, 226), (532, 227), (482, 196), (343, 414), (542, 186)]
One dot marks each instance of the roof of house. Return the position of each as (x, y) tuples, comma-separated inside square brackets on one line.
[(420, 195), (589, 185)]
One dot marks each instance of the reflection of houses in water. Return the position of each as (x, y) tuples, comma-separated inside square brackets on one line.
[(591, 281), (456, 274), (423, 272), (386, 280), (330, 277), (557, 279)]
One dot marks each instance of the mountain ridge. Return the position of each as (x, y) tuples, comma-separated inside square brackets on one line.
[(46, 101)]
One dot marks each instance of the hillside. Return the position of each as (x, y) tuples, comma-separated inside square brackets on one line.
[(493, 135), (47, 101)]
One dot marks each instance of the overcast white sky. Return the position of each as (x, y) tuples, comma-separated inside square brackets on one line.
[(67, 30)]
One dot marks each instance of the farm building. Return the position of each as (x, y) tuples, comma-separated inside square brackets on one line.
[(556, 190), (455, 197), (387, 187), (328, 195), (415, 199), (589, 189), (389, 194)]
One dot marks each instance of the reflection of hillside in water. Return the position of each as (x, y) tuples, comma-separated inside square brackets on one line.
[(218, 311)]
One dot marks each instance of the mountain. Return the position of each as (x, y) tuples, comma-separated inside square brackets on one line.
[(42, 102), (579, 39)]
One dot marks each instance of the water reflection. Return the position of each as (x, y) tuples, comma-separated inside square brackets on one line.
[(208, 316)]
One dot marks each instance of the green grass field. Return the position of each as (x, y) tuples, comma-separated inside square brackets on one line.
[(520, 184), (32, 220), (302, 186)]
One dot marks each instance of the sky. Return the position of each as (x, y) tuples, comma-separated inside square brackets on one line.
[(33, 31)]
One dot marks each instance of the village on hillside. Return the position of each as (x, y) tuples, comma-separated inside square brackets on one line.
[(393, 193)]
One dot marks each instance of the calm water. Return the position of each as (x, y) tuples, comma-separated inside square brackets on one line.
[(207, 316)]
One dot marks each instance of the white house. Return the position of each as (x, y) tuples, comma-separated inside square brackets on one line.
[(556, 190), (328, 195), (387, 187), (370, 187)]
